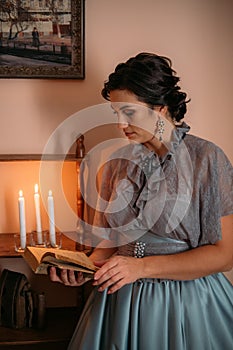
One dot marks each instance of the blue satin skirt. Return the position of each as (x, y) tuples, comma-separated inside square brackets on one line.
[(150, 314)]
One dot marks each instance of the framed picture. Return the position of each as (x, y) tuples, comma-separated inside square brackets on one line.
[(42, 39)]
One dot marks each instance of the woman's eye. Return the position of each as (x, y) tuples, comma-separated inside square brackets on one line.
[(128, 112)]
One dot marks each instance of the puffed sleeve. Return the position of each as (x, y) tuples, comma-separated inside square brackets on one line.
[(216, 194), (225, 182)]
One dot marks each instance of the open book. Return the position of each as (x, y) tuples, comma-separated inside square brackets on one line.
[(39, 259)]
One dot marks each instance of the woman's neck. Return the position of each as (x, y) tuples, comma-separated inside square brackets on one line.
[(156, 146)]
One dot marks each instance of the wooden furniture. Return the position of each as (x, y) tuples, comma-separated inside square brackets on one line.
[(7, 247), (60, 322)]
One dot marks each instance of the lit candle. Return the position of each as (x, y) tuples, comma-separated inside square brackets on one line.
[(52, 232), (22, 221), (38, 218)]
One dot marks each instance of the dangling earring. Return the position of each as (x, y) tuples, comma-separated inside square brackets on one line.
[(160, 128)]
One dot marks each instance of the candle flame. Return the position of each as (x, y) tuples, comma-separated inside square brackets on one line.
[(50, 193), (36, 188), (20, 193)]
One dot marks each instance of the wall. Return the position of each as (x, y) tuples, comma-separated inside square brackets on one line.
[(23, 176), (196, 34)]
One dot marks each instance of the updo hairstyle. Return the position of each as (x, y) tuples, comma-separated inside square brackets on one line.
[(151, 78)]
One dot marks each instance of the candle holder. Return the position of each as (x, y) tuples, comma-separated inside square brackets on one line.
[(54, 241), (38, 239), (20, 242)]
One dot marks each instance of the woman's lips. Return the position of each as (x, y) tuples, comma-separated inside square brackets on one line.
[(130, 134)]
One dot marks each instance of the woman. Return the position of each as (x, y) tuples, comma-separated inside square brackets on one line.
[(178, 222)]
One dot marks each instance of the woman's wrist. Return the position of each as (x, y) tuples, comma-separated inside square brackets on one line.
[(101, 253)]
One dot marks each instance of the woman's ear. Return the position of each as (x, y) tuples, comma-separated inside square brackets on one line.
[(163, 110)]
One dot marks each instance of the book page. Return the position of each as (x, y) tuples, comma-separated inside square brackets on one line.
[(62, 258), (61, 264), (37, 252), (78, 258)]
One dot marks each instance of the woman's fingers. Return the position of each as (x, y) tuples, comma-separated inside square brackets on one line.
[(53, 275), (106, 271), (67, 277), (117, 272)]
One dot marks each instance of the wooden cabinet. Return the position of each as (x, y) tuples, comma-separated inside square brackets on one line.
[(7, 247), (60, 321), (59, 327)]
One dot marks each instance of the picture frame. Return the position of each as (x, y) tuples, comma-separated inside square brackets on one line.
[(59, 50)]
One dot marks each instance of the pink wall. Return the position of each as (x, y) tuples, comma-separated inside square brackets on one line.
[(197, 35)]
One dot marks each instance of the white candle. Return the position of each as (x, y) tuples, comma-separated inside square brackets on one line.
[(52, 232), (38, 217), (22, 221)]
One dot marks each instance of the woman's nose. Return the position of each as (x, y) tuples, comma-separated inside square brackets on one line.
[(122, 125), (122, 122)]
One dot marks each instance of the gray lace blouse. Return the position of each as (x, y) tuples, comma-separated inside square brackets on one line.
[(181, 197)]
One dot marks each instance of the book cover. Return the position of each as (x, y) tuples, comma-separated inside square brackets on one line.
[(40, 259)]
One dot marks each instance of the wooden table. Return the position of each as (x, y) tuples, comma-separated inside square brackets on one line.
[(7, 246), (60, 322)]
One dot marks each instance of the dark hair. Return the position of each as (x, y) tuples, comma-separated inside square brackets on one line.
[(151, 78)]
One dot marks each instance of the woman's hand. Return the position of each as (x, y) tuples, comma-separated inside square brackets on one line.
[(116, 272), (67, 277)]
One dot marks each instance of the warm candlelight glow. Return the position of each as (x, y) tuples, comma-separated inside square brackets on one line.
[(38, 217), (36, 187), (22, 221), (52, 231)]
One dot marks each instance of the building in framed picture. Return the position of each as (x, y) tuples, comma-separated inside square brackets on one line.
[(41, 33)]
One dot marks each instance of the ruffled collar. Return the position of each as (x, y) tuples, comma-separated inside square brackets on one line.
[(142, 195), (148, 161), (177, 135)]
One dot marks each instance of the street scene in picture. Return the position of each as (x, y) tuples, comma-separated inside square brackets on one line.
[(35, 33)]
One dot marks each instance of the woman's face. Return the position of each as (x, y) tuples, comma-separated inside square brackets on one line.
[(137, 121)]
